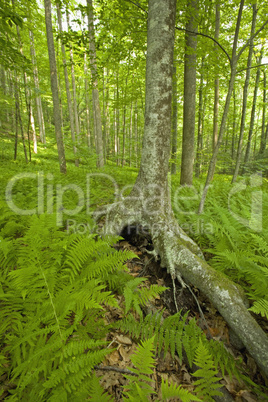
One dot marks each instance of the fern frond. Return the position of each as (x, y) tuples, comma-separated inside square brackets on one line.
[(208, 384), (260, 307), (139, 388), (174, 391), (97, 393)]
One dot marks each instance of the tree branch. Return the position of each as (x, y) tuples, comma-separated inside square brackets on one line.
[(209, 37), (258, 65), (137, 5), (248, 41), (117, 369)]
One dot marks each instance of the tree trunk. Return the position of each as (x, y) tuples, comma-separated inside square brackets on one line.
[(38, 100), (174, 130), (54, 86), (95, 91), (149, 202), (19, 120), (88, 127), (212, 164), (130, 133), (263, 129), (67, 86), (245, 95), (200, 123), (187, 157), (75, 108), (252, 119), (216, 83)]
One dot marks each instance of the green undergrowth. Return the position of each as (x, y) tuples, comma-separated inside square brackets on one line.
[(232, 230), (55, 290), (59, 278)]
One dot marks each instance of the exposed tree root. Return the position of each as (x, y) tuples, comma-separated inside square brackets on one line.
[(184, 261)]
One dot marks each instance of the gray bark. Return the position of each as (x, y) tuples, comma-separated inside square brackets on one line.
[(187, 157), (54, 86), (174, 121), (88, 127), (216, 83), (200, 123), (95, 91), (263, 129), (245, 96), (38, 100), (252, 118), (67, 85), (75, 108)]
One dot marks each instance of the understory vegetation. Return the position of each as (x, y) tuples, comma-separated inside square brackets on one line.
[(57, 284)]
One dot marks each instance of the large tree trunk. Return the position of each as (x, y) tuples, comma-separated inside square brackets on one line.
[(149, 202), (187, 156), (54, 86)]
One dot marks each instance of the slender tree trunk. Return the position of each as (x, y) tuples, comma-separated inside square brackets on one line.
[(16, 130), (104, 116), (263, 129), (245, 95), (88, 127), (95, 91), (253, 111), (130, 133), (234, 127), (225, 112), (117, 116), (33, 130), (200, 123), (174, 132), (38, 100), (136, 133), (18, 118), (67, 86), (75, 108), (187, 157), (54, 86), (216, 83)]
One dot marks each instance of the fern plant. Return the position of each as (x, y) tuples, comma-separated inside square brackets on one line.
[(176, 335), (140, 389), (52, 294), (207, 385), (136, 297)]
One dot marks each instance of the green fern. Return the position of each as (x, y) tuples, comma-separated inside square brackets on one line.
[(260, 307), (208, 384), (139, 388), (174, 391), (52, 309), (175, 335), (136, 297)]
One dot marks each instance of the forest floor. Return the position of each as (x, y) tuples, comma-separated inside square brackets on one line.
[(166, 367)]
